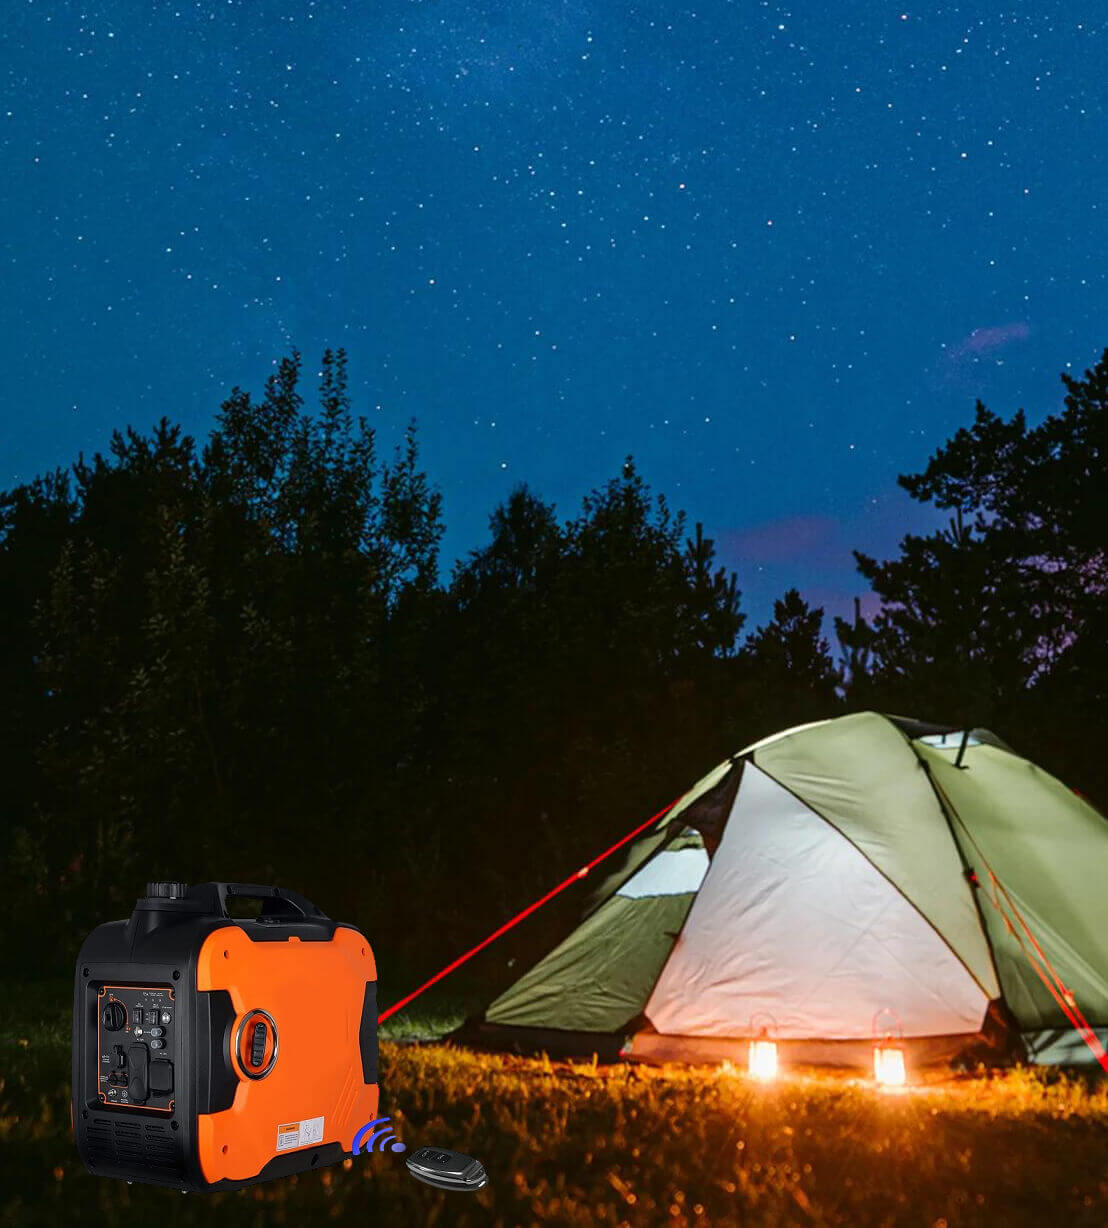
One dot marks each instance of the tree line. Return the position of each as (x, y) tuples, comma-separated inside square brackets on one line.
[(241, 659)]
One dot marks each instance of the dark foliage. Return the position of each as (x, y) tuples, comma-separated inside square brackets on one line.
[(1002, 618), (239, 661)]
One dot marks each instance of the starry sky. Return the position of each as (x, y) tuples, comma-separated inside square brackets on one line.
[(773, 251)]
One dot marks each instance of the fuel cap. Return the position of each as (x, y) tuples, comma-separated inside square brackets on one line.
[(166, 890)]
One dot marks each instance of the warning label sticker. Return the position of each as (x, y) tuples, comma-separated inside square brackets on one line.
[(304, 1133)]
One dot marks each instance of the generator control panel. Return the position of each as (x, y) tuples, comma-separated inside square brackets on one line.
[(136, 1026)]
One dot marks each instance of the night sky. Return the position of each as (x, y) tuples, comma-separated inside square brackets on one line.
[(774, 252)]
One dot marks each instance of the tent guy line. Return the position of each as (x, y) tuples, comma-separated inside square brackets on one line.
[(1038, 958), (575, 877)]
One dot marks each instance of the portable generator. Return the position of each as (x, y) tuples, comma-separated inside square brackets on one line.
[(212, 1051)]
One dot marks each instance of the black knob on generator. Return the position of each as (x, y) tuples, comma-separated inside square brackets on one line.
[(113, 1016), (166, 891)]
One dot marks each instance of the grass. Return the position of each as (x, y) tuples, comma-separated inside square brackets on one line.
[(430, 1017), (584, 1145)]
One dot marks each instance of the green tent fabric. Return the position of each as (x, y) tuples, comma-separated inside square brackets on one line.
[(598, 979), (1047, 847), (826, 877)]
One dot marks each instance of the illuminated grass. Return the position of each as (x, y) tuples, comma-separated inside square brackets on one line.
[(578, 1145), (432, 1017)]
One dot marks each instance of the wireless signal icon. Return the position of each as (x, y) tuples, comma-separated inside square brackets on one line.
[(369, 1139)]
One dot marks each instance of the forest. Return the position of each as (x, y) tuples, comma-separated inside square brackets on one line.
[(242, 658)]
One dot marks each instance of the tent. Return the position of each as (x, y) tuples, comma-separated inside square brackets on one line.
[(857, 877)]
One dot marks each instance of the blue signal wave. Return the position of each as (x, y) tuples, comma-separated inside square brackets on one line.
[(379, 1140)]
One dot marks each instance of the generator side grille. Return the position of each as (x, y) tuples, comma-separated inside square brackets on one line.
[(143, 1146)]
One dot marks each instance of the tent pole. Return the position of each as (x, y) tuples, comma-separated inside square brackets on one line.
[(962, 748), (968, 871)]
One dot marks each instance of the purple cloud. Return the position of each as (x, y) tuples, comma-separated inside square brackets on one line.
[(841, 601), (986, 340), (789, 537)]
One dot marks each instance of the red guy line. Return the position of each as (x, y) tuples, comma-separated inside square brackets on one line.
[(573, 878), (1038, 959), (1042, 965)]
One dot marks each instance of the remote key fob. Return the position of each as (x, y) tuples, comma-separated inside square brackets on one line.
[(447, 1170)]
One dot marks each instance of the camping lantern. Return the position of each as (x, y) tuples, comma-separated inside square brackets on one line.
[(762, 1058), (762, 1062), (888, 1050), (888, 1065)]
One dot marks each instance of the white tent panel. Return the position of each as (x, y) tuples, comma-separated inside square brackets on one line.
[(673, 872), (794, 922)]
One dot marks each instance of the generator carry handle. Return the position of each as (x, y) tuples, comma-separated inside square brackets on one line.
[(276, 901)]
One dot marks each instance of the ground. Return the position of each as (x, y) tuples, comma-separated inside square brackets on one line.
[(584, 1145)]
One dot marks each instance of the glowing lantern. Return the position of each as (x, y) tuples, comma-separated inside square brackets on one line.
[(888, 1065), (888, 1049), (761, 1061)]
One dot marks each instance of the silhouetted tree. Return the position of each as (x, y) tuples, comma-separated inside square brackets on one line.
[(204, 645), (1003, 616), (948, 641), (855, 640), (788, 664)]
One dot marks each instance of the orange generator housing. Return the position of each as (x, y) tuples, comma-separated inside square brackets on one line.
[(212, 1051)]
